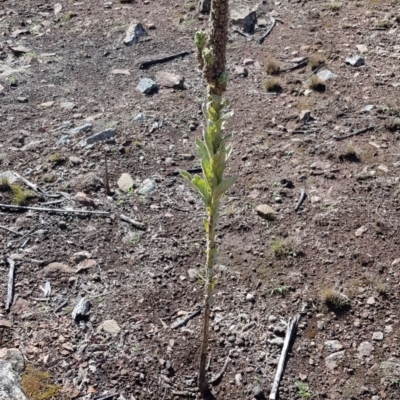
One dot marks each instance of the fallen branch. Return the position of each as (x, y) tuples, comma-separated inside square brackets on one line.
[(297, 66), (10, 286), (10, 230), (108, 396), (149, 63), (314, 72), (217, 377), (58, 210), (356, 133), (183, 321), (136, 224), (269, 30), (242, 33), (303, 196), (279, 372), (34, 187), (62, 305)]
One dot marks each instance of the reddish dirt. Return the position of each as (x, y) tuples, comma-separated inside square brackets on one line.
[(142, 276)]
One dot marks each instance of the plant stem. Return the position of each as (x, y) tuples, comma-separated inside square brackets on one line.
[(203, 383)]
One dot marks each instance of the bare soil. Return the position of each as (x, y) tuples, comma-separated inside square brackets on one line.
[(344, 237)]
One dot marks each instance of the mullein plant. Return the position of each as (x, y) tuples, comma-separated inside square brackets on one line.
[(213, 151)]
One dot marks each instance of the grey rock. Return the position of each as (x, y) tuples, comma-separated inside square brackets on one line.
[(10, 384), (333, 345), (100, 137), (192, 273), (355, 61), (109, 326), (391, 368), (133, 33), (244, 18), (369, 108), (326, 75), (238, 379), (332, 360), (168, 80), (265, 211), (148, 186), (365, 349), (15, 358), (67, 105), (250, 298), (272, 318), (305, 116), (278, 341), (258, 392), (81, 310), (378, 336), (80, 129), (147, 86), (63, 141), (204, 6), (125, 182), (139, 118), (371, 301), (241, 71)]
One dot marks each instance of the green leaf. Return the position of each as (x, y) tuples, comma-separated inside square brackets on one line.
[(208, 172), (186, 175), (201, 149), (223, 187), (206, 225), (202, 187)]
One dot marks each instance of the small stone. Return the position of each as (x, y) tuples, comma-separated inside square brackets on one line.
[(258, 392), (22, 99), (333, 345), (120, 72), (148, 186), (262, 22), (355, 61), (57, 268), (378, 336), (14, 357), (332, 360), (326, 75), (365, 349), (48, 104), (80, 129), (238, 379), (204, 6), (84, 199), (250, 298), (192, 273), (100, 137), (125, 182), (357, 323), (248, 61), (395, 262), (75, 160), (168, 80), (361, 230), (278, 200), (315, 199), (133, 33), (369, 107), (57, 8), (85, 265), (272, 318), (241, 71), (63, 141), (108, 4), (67, 105), (109, 326), (81, 310), (305, 116), (244, 18), (1, 88), (147, 86), (278, 341), (371, 301), (383, 168), (80, 256), (239, 342), (5, 323), (298, 60), (362, 48), (265, 211)]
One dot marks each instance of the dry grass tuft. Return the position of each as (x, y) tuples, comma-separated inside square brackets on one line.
[(36, 385), (316, 84), (316, 60), (335, 301), (20, 196), (272, 85), (5, 185), (273, 67)]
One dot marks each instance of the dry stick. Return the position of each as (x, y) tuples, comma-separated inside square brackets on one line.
[(314, 72), (136, 224), (297, 66), (10, 230), (183, 321), (10, 286), (303, 196), (34, 187), (60, 210), (62, 305), (356, 133), (262, 38), (106, 175), (242, 33), (217, 377), (149, 63), (279, 372)]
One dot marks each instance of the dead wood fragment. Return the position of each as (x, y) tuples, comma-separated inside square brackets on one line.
[(303, 196), (217, 377), (10, 285), (263, 37), (356, 133), (147, 64), (58, 210), (135, 223), (10, 230), (279, 372), (183, 321)]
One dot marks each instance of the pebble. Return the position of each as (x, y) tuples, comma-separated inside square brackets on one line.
[(371, 301), (100, 137), (148, 186), (278, 341), (248, 61), (22, 99), (14, 357), (120, 72), (80, 256), (84, 199), (265, 211), (109, 326), (169, 80), (125, 182), (333, 345), (241, 72), (332, 360), (272, 318), (250, 298), (133, 33), (238, 379), (355, 61), (378, 336), (63, 141), (67, 105), (326, 75), (258, 392), (147, 86), (79, 129), (365, 349)]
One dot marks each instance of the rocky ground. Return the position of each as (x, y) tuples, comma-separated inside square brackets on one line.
[(73, 99)]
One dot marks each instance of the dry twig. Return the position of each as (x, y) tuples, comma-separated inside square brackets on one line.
[(263, 37), (58, 210), (217, 377), (10, 286), (183, 321), (135, 223), (303, 196)]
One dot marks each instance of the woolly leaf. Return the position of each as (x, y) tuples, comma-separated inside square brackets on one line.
[(223, 187)]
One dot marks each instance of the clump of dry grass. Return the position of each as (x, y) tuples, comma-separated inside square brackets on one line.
[(272, 85), (278, 247), (5, 185), (20, 196), (273, 67), (316, 60), (350, 153), (335, 7), (36, 385), (334, 300), (317, 84), (56, 158)]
